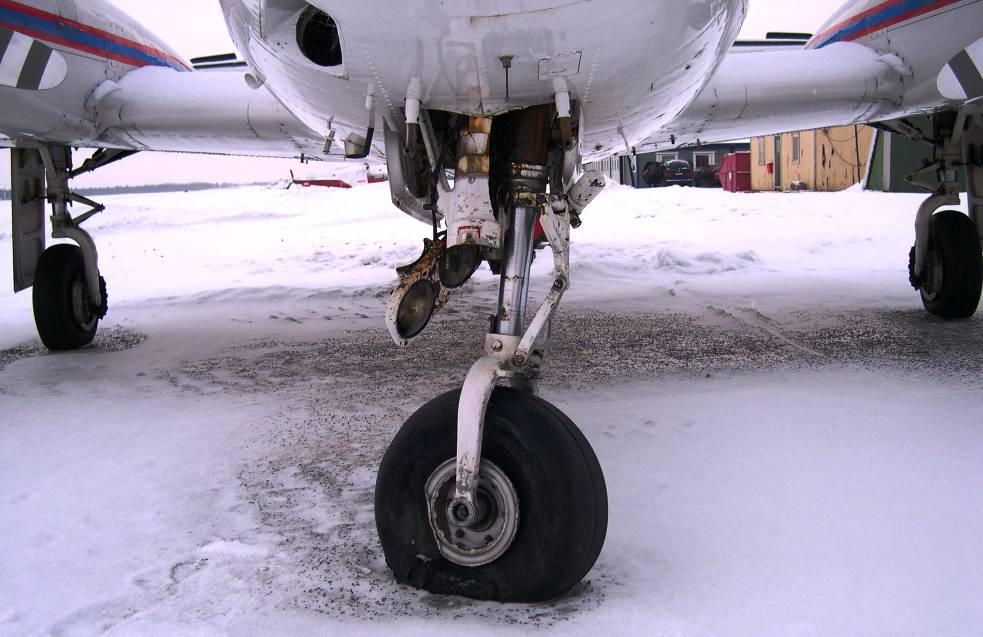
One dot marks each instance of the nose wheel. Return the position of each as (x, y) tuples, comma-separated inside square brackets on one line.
[(541, 503)]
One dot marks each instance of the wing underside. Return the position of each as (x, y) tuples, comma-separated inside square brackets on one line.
[(761, 92), (215, 112)]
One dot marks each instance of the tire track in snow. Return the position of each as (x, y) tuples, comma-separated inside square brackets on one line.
[(754, 319)]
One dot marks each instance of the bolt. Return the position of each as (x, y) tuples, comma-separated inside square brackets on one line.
[(459, 534), (461, 513), (519, 359), (558, 284), (497, 346)]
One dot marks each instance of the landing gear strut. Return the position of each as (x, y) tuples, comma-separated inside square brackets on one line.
[(946, 263), (490, 492), (69, 294)]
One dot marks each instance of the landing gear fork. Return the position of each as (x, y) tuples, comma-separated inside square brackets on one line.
[(512, 357)]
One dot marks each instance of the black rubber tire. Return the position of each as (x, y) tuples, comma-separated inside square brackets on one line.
[(59, 269), (561, 492), (954, 239)]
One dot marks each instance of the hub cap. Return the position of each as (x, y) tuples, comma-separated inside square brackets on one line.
[(497, 519), (82, 312), (932, 285)]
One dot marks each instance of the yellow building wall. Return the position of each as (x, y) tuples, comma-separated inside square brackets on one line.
[(842, 154), (828, 159), (798, 169), (762, 153)]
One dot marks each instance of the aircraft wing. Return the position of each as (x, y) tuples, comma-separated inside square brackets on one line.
[(155, 108), (765, 91)]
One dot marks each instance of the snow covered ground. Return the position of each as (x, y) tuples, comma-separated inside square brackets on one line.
[(792, 447)]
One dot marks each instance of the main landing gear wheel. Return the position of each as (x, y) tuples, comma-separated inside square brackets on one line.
[(63, 313), (541, 500), (953, 279)]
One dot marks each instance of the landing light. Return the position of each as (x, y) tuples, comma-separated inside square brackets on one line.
[(458, 264), (415, 309)]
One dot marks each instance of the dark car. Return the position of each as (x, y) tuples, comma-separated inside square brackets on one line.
[(678, 173)]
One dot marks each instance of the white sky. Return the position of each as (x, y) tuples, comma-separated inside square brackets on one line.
[(205, 33)]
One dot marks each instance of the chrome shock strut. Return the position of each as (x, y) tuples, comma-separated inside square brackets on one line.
[(520, 182), (517, 255)]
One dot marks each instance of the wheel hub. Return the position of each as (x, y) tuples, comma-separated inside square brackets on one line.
[(495, 520), (82, 312), (932, 285)]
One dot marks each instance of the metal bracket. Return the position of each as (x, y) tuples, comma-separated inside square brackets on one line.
[(400, 177), (432, 146), (925, 213), (904, 128), (556, 227), (27, 205), (973, 159), (100, 158), (945, 192), (505, 355), (357, 147)]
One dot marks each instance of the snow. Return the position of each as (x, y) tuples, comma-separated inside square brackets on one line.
[(791, 445)]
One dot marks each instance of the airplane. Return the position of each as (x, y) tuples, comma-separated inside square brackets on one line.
[(485, 112)]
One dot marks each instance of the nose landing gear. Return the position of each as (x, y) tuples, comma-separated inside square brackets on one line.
[(490, 492)]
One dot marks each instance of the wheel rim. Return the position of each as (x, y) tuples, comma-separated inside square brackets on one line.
[(494, 530), (934, 271), (82, 312)]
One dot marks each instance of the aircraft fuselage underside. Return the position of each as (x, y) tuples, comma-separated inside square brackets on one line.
[(634, 65)]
